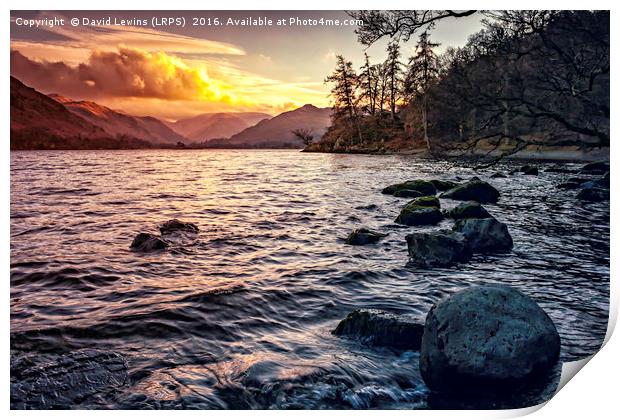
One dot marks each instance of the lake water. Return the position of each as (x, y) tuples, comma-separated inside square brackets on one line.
[(241, 315)]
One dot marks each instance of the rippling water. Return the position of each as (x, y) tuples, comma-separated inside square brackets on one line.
[(240, 316)]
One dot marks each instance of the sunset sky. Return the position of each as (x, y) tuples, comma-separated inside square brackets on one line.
[(173, 73)]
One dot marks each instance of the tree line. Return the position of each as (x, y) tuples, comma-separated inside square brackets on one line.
[(527, 78)]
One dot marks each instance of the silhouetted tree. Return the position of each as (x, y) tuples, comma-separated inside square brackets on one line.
[(343, 95)]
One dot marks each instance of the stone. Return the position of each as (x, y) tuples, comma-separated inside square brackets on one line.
[(404, 192), (147, 242), (593, 195), (424, 187), (596, 168), (440, 248), (499, 175), (175, 225), (364, 236), (468, 210), (529, 170), (421, 211), (380, 328), (473, 190), (487, 339), (442, 185), (485, 235)]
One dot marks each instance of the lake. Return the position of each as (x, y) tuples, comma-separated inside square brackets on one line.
[(241, 315)]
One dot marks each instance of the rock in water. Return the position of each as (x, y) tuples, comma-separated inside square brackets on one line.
[(468, 210), (176, 225), (593, 194), (403, 192), (440, 248), (424, 187), (441, 185), (498, 175), (487, 339), (569, 186), (381, 328), (603, 182), (147, 242), (595, 168), (421, 211), (473, 190), (364, 236), (65, 380), (485, 235), (529, 170)]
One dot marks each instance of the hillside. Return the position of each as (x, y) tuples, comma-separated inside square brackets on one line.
[(216, 125), (277, 131)]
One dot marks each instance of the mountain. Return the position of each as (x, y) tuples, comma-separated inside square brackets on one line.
[(116, 123), (277, 131), (216, 125)]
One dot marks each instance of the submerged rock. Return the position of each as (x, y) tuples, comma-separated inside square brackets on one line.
[(404, 192), (529, 170), (468, 210), (147, 242), (440, 248), (499, 175), (569, 185), (424, 187), (364, 236), (560, 170), (62, 381), (485, 235), (176, 225), (487, 339), (421, 211), (381, 328), (595, 168), (603, 182), (442, 185), (473, 190), (593, 194)]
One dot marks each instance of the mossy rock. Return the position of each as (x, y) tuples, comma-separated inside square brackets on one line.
[(442, 185), (421, 211), (473, 190), (364, 236), (468, 210), (424, 187), (405, 192)]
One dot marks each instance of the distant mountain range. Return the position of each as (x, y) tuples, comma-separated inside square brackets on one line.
[(40, 121)]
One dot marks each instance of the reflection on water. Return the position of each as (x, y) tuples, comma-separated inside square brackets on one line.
[(240, 316)]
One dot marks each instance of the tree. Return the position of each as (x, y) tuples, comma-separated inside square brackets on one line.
[(423, 72), (393, 69), (368, 86), (305, 134), (343, 94)]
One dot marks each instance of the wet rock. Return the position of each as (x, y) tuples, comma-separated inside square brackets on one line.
[(381, 328), (404, 192), (603, 182), (485, 235), (147, 242), (499, 175), (529, 170), (424, 187), (595, 168), (62, 381), (593, 194), (577, 180), (442, 185), (364, 236), (559, 170), (473, 190), (176, 225), (468, 210), (440, 248), (421, 211), (569, 185), (487, 339)]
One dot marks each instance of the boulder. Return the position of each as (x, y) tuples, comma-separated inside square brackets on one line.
[(364, 236), (559, 170), (62, 381), (485, 235), (421, 211), (529, 170), (595, 168), (487, 339), (404, 192), (147, 242), (593, 194), (442, 185), (424, 187), (440, 248), (499, 175), (603, 182), (468, 210), (569, 185), (381, 328), (175, 225), (473, 190)]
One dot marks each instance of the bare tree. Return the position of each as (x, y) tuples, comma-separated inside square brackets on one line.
[(305, 134)]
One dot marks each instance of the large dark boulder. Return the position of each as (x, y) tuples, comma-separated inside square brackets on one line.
[(593, 194), (440, 248), (404, 192), (603, 182), (569, 185), (529, 170), (498, 175), (424, 187), (473, 190), (147, 242), (558, 169), (595, 168), (442, 185), (468, 210), (62, 381), (487, 339), (485, 235), (381, 328), (175, 225), (421, 211), (364, 236)]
